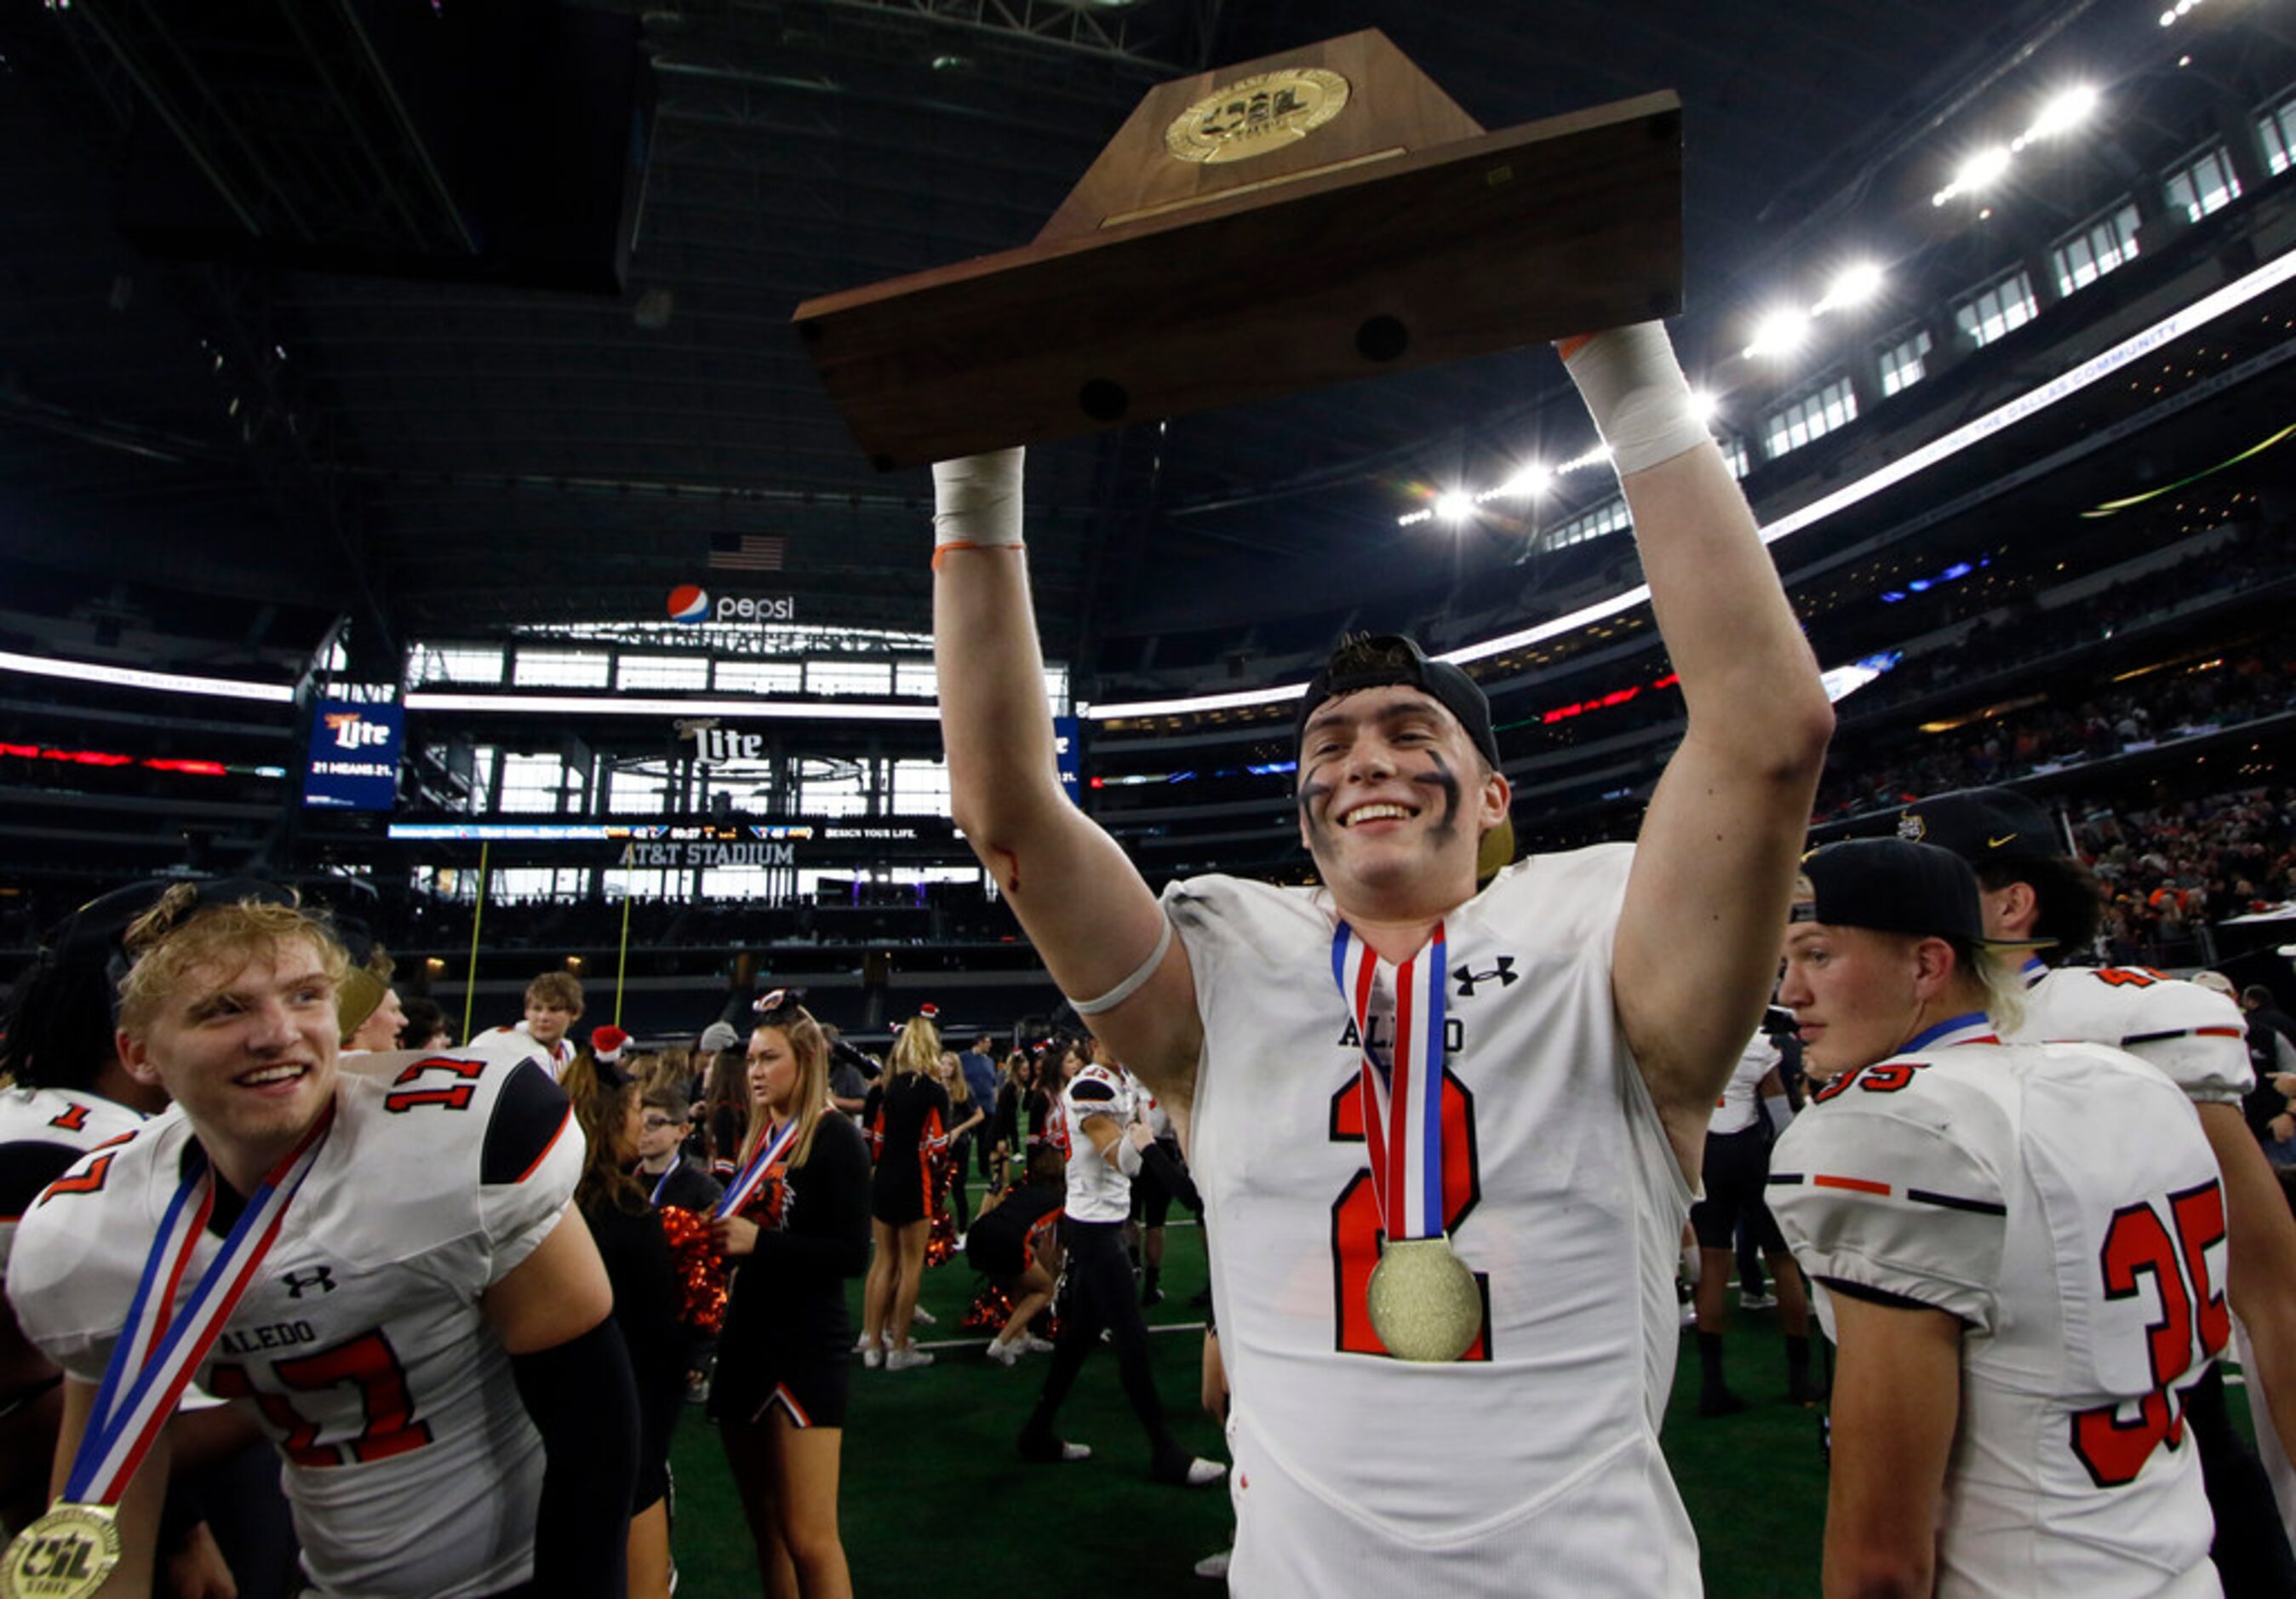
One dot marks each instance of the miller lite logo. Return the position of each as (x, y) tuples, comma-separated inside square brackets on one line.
[(353, 731), (713, 744)]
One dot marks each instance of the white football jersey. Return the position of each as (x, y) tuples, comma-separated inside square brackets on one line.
[(1146, 1107), (2199, 1039), (409, 1457), (43, 1132), (2061, 1202), (1098, 1191), (1529, 1466), (559, 1055), (1741, 1105), (2195, 1035)]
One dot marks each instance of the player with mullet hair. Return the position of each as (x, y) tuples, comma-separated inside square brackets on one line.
[(1446, 1135), (381, 1263), (2031, 887), (2018, 1249)]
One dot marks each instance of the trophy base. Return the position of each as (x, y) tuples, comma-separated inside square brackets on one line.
[(1376, 256)]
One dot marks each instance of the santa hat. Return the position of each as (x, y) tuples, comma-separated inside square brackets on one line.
[(608, 1043)]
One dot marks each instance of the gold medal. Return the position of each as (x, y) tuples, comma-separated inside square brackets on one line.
[(68, 1553), (1424, 1303)]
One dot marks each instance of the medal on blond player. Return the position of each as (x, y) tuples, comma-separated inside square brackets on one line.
[(71, 1552), (1424, 1304)]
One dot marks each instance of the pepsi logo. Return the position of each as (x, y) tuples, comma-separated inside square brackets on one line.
[(689, 603)]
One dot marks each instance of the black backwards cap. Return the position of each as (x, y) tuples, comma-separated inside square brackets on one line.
[(1895, 885), (1376, 661), (1983, 824), (63, 1008)]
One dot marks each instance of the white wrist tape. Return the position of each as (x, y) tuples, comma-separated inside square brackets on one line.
[(1127, 1156), (1635, 392), (977, 500), (1132, 984)]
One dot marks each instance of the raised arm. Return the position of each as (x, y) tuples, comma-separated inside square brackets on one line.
[(1084, 907), (1697, 940)]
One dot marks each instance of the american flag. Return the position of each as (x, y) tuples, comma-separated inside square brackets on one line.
[(745, 551)]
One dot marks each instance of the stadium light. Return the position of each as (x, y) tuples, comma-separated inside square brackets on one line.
[(1454, 507), (1979, 171), (171, 682), (2063, 113), (1853, 286), (2177, 324), (1529, 482), (1780, 333)]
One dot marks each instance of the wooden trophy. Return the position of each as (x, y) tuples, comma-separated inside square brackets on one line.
[(1297, 221)]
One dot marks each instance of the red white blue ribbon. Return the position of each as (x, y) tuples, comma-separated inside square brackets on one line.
[(751, 1177), (159, 1349), (1402, 1098)]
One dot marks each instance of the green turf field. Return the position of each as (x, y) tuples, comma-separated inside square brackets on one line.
[(935, 1501)]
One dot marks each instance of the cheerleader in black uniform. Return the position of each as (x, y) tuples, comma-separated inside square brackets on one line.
[(908, 1115), (782, 1367), (968, 1119), (636, 1257)]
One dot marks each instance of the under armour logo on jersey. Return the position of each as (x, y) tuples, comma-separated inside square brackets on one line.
[(1467, 978), (319, 1277)]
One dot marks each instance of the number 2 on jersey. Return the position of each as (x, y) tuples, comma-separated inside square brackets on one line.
[(2192, 1310), (1355, 1216)]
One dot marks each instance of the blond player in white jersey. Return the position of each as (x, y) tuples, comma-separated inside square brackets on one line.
[(1600, 998), (2020, 1249), (423, 1331), (2031, 889)]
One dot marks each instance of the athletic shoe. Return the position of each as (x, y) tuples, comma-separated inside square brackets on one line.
[(1030, 1344), (1213, 1568), (872, 1356), (922, 1317), (1052, 1451), (1003, 1353), (861, 1345), (960, 1243), (907, 1358), (1756, 1301), (1689, 1316), (1198, 1472)]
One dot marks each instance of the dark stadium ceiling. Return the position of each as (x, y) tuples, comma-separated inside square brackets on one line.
[(246, 450)]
